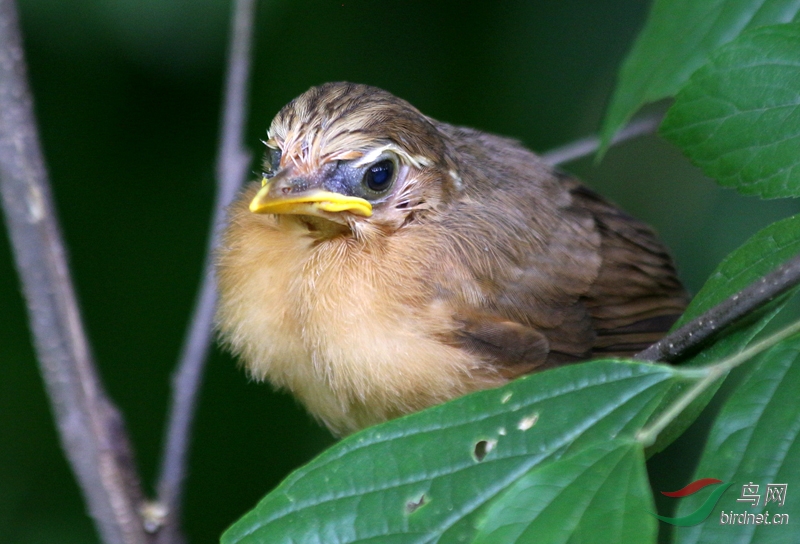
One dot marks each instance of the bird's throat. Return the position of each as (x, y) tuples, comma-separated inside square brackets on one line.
[(319, 227)]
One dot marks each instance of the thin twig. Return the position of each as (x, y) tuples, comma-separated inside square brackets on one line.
[(232, 164), (586, 146), (710, 374), (720, 316), (698, 330), (90, 427)]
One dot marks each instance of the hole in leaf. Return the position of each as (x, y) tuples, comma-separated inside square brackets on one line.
[(413, 506), (527, 422), (482, 447)]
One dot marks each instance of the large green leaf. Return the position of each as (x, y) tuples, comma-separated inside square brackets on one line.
[(754, 439), (761, 254), (738, 118), (600, 494), (429, 476), (677, 39)]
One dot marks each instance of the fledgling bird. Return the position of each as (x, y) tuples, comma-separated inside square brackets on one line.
[(389, 262)]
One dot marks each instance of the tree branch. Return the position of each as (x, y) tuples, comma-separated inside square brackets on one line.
[(586, 146), (717, 318), (232, 164), (693, 333), (90, 427)]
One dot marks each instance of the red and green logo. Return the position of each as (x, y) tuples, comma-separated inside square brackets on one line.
[(705, 509)]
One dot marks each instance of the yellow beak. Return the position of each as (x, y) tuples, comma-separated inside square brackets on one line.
[(309, 203)]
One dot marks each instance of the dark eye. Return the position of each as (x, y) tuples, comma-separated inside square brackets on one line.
[(272, 161), (379, 176)]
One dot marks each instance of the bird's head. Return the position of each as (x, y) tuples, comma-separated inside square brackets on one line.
[(344, 157)]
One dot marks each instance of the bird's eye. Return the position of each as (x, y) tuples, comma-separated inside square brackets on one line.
[(379, 176), (272, 162)]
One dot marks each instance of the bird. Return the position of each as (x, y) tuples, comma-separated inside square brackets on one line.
[(388, 262)]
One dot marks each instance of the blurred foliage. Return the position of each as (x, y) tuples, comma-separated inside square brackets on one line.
[(127, 94)]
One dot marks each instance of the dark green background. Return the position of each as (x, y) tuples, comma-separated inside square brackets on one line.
[(128, 94)]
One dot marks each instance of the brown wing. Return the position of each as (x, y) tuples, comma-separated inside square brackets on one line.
[(636, 296), (563, 274)]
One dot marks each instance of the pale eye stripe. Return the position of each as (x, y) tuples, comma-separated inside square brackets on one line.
[(416, 161), (370, 156)]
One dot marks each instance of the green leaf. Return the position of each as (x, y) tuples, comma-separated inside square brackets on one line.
[(754, 439), (738, 118), (600, 494), (761, 254), (430, 475), (677, 39)]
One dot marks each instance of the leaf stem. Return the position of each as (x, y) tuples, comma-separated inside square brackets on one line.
[(708, 375)]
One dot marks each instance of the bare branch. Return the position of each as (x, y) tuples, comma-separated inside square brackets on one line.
[(90, 427), (698, 330), (586, 146), (232, 164), (693, 333)]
